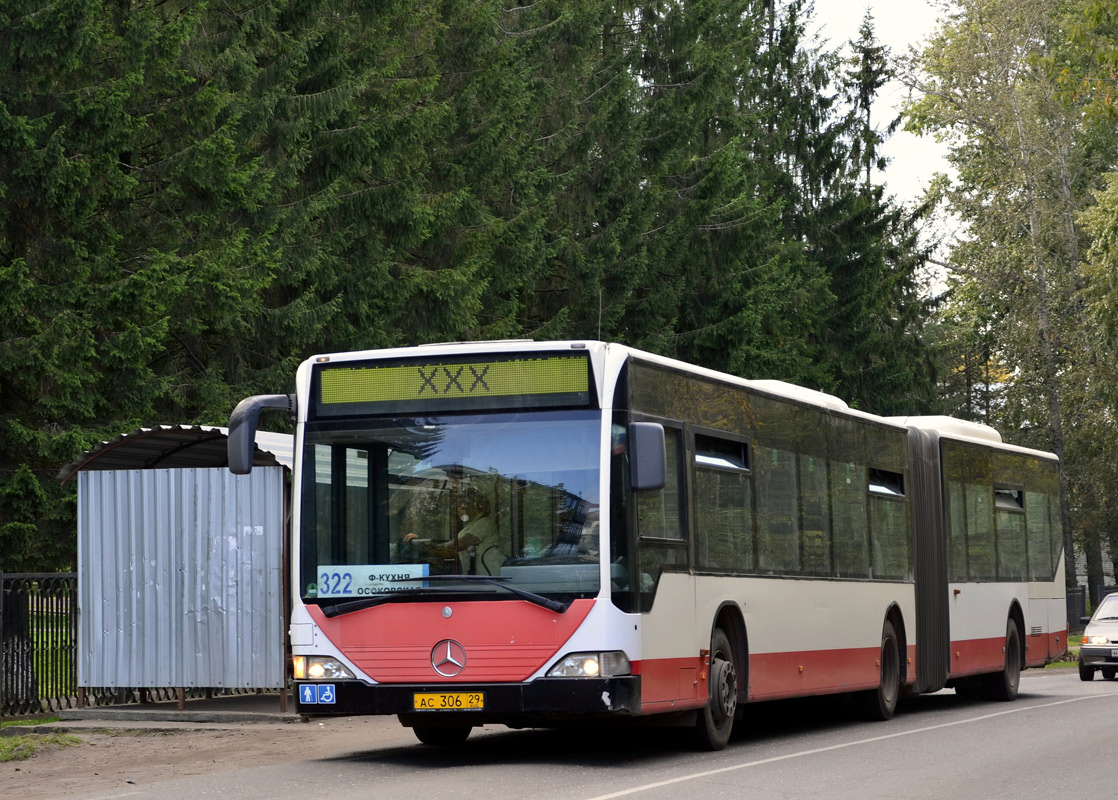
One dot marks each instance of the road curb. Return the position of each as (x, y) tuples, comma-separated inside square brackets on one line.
[(129, 727)]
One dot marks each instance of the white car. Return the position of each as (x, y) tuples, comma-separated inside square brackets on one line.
[(1100, 641)]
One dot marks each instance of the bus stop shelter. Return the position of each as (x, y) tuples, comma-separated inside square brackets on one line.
[(180, 562)]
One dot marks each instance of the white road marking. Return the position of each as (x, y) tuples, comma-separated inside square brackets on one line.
[(696, 775)]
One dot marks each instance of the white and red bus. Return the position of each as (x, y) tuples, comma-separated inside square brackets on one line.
[(541, 533)]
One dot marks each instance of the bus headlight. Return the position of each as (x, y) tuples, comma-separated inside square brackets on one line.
[(319, 668), (591, 665)]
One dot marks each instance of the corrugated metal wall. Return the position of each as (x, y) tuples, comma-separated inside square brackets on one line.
[(181, 578)]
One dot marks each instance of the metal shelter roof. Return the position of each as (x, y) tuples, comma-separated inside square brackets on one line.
[(169, 446)]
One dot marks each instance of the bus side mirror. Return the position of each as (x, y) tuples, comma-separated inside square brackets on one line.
[(647, 462), (243, 422)]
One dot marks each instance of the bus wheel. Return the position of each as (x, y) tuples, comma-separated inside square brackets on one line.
[(1004, 685), (442, 735), (716, 720), (881, 703)]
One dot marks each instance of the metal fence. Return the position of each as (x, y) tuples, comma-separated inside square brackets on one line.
[(1077, 609), (39, 638), (39, 657)]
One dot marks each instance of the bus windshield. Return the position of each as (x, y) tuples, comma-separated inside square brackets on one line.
[(397, 509)]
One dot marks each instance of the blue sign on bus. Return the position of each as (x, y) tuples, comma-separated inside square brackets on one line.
[(317, 694)]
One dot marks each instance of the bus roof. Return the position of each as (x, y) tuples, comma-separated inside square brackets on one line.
[(966, 431), (955, 428), (950, 427)]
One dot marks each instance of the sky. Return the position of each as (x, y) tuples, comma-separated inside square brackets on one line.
[(897, 24)]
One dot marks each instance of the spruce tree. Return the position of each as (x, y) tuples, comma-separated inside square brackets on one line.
[(86, 309), (872, 335)]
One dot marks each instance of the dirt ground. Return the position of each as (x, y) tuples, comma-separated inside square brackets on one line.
[(115, 760)]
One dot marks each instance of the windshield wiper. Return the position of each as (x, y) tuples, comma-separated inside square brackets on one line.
[(531, 597), (368, 602)]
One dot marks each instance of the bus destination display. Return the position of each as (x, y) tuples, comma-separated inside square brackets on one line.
[(543, 381)]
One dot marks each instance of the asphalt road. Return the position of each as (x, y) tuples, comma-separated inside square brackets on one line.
[(1059, 737)]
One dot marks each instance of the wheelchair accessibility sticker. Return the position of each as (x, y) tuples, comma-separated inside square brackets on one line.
[(317, 694)]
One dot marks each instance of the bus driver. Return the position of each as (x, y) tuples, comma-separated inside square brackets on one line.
[(477, 544)]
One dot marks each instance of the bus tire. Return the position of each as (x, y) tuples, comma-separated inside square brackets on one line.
[(1003, 685), (442, 735), (716, 720), (881, 703)]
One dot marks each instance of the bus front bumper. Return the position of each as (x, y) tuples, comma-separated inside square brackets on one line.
[(504, 703)]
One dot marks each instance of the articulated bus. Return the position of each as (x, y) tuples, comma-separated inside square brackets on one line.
[(546, 533)]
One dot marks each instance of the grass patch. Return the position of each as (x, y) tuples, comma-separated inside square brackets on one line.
[(19, 748), (15, 723)]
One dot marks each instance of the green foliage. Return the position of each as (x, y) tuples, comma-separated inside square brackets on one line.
[(1100, 439), (1002, 83), (196, 196), (1086, 69)]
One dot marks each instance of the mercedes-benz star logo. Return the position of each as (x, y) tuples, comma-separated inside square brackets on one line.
[(448, 658)]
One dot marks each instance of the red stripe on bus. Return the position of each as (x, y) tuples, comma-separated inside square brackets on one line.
[(1057, 643), (1040, 647), (669, 684), (672, 684), (778, 675), (973, 656), (504, 641)]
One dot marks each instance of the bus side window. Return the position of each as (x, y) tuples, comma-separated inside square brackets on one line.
[(890, 532), (980, 532), (778, 521), (1009, 520), (957, 530), (621, 561), (658, 512), (815, 515), (723, 505), (660, 535), (1041, 565), (850, 556)]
